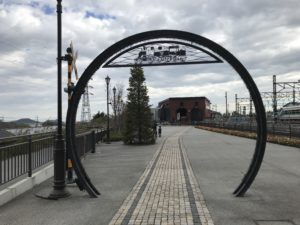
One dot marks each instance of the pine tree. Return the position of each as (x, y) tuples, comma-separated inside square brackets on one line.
[(138, 129)]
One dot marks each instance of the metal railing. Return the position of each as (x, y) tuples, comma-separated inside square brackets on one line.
[(289, 130), (23, 138), (21, 158), (30, 153)]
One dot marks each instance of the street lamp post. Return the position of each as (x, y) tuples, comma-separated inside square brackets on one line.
[(119, 109), (115, 116), (107, 80), (59, 154), (59, 184)]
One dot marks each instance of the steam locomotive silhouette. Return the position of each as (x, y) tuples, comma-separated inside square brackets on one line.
[(155, 54)]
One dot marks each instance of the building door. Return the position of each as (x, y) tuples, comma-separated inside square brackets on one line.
[(195, 115), (164, 114)]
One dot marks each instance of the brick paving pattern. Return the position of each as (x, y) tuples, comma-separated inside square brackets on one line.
[(167, 192)]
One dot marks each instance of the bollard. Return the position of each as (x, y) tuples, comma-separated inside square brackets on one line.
[(29, 156), (93, 142)]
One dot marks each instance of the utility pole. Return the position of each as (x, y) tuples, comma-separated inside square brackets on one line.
[(294, 95), (251, 103), (236, 104), (86, 108), (114, 105), (226, 104), (37, 121), (274, 96)]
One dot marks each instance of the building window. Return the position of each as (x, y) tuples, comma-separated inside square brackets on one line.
[(196, 103), (181, 103)]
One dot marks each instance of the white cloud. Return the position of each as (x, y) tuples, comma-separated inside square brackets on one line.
[(264, 35)]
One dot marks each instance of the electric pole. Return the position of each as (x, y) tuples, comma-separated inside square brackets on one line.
[(226, 104)]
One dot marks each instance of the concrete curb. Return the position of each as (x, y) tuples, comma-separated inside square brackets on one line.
[(26, 184)]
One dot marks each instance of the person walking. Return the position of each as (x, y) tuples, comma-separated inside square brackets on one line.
[(154, 129), (159, 131)]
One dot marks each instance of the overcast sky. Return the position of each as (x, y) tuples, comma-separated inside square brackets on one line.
[(263, 35)]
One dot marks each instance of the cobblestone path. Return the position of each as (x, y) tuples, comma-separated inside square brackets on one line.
[(166, 193)]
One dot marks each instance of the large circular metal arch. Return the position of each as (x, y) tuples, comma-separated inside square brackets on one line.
[(181, 35)]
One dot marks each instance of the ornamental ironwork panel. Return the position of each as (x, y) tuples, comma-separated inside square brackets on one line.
[(161, 53)]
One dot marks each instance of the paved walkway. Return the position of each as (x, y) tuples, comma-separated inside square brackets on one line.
[(159, 184), (166, 193)]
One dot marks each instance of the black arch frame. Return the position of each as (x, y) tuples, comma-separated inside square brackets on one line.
[(185, 36)]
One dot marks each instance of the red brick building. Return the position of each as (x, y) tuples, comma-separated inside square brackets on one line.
[(185, 110)]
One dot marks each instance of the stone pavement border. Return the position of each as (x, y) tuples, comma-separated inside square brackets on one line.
[(25, 184), (166, 193), (131, 201), (200, 202)]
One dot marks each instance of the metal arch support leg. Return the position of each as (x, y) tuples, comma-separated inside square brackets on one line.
[(84, 180), (258, 153)]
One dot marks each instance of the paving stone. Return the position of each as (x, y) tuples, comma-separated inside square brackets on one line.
[(167, 192)]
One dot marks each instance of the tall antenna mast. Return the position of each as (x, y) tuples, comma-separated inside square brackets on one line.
[(86, 108)]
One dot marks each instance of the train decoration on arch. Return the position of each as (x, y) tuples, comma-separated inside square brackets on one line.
[(162, 52), (157, 54)]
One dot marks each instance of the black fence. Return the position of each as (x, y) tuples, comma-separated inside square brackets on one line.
[(23, 138), (87, 141), (30, 152), (284, 129)]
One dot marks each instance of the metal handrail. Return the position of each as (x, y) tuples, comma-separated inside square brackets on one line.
[(21, 158)]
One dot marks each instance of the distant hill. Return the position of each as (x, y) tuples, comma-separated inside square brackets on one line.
[(11, 125), (21, 123), (25, 121)]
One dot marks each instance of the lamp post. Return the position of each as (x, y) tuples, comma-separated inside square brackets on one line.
[(59, 154), (107, 80), (59, 184), (115, 117), (119, 109)]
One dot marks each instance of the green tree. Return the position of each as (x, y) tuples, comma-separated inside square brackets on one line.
[(99, 119), (137, 113), (99, 115)]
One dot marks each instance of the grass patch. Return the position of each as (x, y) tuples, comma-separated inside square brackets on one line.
[(113, 136), (277, 139)]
